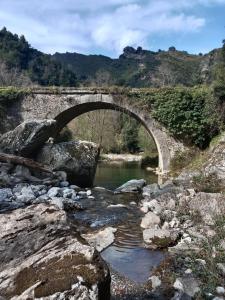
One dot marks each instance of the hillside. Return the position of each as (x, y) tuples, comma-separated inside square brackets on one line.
[(17, 56), (134, 67), (142, 68)]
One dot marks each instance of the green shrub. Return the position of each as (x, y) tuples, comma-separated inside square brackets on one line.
[(9, 94)]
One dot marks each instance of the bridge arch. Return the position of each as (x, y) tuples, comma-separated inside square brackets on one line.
[(68, 104), (73, 112)]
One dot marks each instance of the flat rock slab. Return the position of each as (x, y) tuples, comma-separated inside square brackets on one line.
[(42, 255)]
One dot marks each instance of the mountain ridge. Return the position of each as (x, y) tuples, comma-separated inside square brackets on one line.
[(142, 68)]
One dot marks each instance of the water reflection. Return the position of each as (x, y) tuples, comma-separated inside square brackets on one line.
[(113, 174)]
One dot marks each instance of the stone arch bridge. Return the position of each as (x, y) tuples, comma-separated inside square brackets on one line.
[(65, 104)]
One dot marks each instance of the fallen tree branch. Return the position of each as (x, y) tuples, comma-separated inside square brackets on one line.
[(19, 160)]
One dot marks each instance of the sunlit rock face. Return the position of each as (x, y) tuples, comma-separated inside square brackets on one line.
[(43, 257)]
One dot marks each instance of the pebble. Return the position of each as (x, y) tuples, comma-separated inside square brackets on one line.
[(178, 285), (54, 191), (188, 271), (156, 282), (220, 290), (89, 192)]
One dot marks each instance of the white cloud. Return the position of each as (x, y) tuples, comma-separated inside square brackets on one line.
[(83, 25)]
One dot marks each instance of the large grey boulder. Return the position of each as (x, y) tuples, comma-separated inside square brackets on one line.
[(131, 186), (27, 138), (42, 257), (77, 158)]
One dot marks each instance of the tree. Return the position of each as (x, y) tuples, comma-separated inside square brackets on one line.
[(130, 134), (13, 77), (219, 84)]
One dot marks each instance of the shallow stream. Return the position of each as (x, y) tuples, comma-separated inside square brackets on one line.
[(127, 254)]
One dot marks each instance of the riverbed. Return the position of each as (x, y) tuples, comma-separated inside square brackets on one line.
[(127, 255)]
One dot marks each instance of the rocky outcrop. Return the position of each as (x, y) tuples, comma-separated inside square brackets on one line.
[(77, 158), (207, 206), (216, 162), (131, 186), (174, 212), (43, 257), (27, 138)]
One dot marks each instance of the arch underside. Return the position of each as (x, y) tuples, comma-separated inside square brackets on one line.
[(144, 118)]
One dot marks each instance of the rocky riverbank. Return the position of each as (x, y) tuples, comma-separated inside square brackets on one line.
[(53, 230)]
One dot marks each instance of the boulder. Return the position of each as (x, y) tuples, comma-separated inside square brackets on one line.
[(159, 238), (77, 158), (101, 239), (131, 186), (42, 257), (151, 190), (27, 138), (150, 220)]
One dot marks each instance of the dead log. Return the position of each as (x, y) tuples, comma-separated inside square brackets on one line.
[(26, 162)]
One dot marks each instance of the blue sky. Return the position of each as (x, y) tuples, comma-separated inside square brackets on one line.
[(107, 26)]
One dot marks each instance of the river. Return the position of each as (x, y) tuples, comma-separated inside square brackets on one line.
[(113, 174), (127, 255)]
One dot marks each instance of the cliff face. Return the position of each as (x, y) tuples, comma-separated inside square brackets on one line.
[(142, 68)]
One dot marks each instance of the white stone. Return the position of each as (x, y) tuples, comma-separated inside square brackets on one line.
[(220, 290), (144, 208), (117, 206), (89, 192), (174, 223), (150, 220), (201, 261), (57, 202), (26, 194), (154, 206), (133, 203), (188, 271), (178, 285), (54, 191), (156, 282), (68, 193), (165, 225)]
